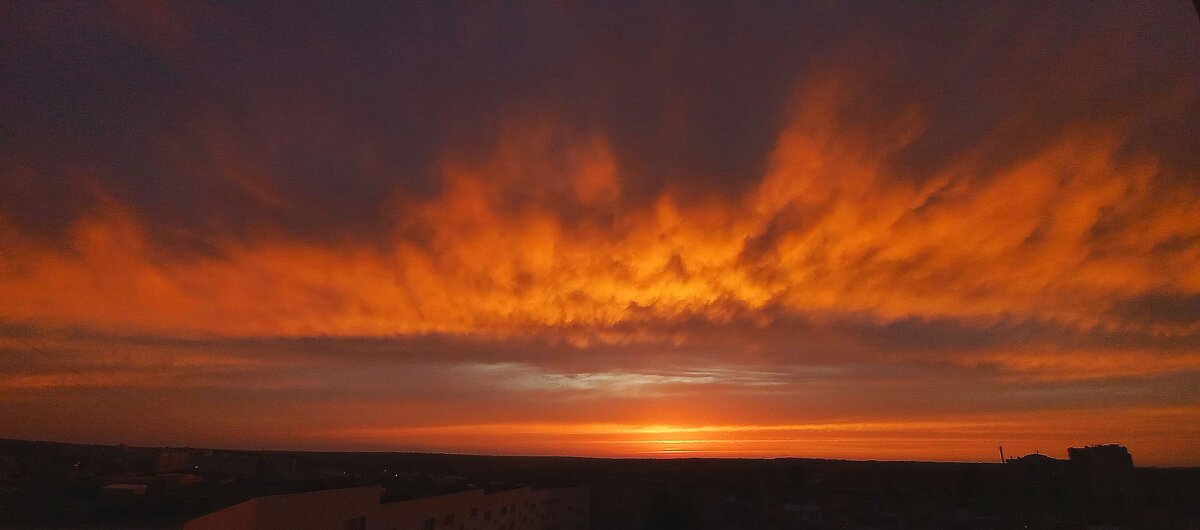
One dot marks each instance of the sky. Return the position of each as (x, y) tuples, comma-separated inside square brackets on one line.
[(840, 230)]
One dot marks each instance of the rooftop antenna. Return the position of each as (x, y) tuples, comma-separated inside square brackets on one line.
[(1001, 454)]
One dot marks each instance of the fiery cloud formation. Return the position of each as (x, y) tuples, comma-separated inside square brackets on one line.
[(545, 230)]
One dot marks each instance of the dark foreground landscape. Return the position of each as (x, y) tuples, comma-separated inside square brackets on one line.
[(58, 485)]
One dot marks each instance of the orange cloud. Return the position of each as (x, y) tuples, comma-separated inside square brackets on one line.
[(1043, 365), (533, 236)]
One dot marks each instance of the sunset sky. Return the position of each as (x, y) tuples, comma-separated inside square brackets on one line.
[(850, 230)]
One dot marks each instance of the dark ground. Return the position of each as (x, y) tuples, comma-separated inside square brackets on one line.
[(49, 485)]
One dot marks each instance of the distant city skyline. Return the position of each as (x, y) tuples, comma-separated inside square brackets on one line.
[(896, 231)]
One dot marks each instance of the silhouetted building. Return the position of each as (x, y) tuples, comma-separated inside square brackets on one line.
[(1036, 460), (1108, 457), (560, 508), (173, 480), (170, 460), (1107, 470), (118, 493), (362, 509), (1095, 475), (803, 516), (1041, 478)]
